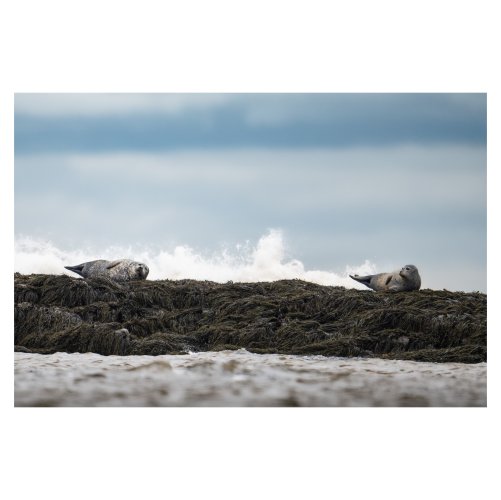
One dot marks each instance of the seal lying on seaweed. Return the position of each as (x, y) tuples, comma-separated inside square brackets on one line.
[(118, 270), (405, 280)]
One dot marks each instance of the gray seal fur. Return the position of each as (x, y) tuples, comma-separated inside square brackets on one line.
[(405, 280), (117, 270)]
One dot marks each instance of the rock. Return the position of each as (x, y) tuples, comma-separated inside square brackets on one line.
[(60, 313)]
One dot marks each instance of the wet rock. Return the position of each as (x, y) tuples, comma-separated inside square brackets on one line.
[(61, 313), (19, 348)]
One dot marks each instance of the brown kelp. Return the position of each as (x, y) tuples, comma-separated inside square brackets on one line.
[(61, 313)]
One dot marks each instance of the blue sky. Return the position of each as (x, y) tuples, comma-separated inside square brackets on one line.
[(393, 178)]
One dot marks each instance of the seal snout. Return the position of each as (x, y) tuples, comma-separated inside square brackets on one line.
[(142, 271)]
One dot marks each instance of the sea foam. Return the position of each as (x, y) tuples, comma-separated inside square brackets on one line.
[(265, 261)]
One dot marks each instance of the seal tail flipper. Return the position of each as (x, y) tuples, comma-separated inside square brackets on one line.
[(76, 269), (361, 279)]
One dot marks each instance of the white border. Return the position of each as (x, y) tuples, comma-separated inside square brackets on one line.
[(260, 46)]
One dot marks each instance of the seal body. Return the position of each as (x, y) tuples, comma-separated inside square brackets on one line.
[(405, 280), (117, 270)]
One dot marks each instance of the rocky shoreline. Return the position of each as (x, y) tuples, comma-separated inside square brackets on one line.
[(65, 314)]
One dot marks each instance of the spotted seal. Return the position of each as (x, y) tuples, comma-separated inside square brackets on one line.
[(405, 280), (117, 270)]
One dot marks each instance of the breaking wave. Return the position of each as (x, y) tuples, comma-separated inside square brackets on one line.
[(265, 261)]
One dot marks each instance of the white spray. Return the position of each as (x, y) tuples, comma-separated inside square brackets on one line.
[(245, 263)]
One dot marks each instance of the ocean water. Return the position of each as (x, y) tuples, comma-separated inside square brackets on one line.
[(241, 378)]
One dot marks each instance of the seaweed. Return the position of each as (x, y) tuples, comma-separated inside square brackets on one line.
[(61, 313)]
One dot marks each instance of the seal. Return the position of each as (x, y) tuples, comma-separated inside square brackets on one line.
[(405, 280), (117, 270)]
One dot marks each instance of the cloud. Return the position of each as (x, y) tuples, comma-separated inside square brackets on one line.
[(104, 122), (282, 180), (59, 105)]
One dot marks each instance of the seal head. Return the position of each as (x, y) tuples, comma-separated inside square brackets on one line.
[(411, 274)]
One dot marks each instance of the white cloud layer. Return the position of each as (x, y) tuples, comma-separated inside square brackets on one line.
[(57, 105), (442, 176)]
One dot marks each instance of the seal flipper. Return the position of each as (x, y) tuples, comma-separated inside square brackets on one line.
[(76, 269), (113, 264), (365, 280)]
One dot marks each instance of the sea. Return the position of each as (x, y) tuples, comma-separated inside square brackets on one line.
[(243, 379)]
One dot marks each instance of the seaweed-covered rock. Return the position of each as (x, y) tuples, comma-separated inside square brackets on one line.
[(61, 313)]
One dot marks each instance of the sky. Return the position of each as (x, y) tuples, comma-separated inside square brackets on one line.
[(255, 186)]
